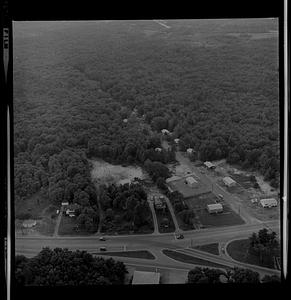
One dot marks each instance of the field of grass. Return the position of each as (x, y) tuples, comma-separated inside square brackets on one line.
[(68, 227), (133, 254), (210, 248), (238, 250), (161, 214), (191, 260)]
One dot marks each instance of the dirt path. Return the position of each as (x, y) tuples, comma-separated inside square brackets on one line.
[(177, 229), (58, 222), (156, 226)]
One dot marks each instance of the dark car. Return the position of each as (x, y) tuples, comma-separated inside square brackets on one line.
[(103, 249), (102, 238), (180, 236)]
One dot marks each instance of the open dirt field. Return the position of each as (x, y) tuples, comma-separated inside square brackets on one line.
[(103, 172)]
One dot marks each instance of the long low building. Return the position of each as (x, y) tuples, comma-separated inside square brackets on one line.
[(215, 208), (209, 165), (228, 181), (141, 277), (270, 202)]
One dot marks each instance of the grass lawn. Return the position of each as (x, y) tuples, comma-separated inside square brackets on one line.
[(161, 214), (191, 260), (134, 254), (210, 248), (67, 227), (238, 250)]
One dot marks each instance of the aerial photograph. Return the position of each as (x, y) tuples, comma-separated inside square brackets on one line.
[(146, 152)]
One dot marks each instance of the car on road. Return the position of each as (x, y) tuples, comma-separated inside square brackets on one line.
[(180, 236), (102, 249), (102, 238)]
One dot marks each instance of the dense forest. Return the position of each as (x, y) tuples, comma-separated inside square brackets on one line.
[(61, 267), (213, 83)]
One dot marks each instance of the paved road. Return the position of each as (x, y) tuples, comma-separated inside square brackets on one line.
[(58, 222), (156, 226)]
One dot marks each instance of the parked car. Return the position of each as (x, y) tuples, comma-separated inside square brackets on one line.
[(102, 238), (180, 236), (102, 249)]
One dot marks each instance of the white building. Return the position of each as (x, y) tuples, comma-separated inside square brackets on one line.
[(190, 150), (29, 223), (141, 277), (176, 141), (65, 203), (271, 202), (209, 165), (165, 132), (214, 208), (190, 181), (229, 181), (158, 149)]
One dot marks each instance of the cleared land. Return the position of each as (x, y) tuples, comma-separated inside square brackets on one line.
[(239, 250), (191, 260), (133, 254), (210, 248), (68, 226)]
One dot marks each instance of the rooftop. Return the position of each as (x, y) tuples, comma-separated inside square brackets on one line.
[(215, 206), (141, 277), (228, 180)]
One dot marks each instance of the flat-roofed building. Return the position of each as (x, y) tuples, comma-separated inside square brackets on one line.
[(215, 208), (190, 181), (209, 165), (229, 181), (142, 277), (270, 202)]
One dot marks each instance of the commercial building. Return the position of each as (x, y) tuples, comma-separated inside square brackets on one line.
[(209, 165), (229, 182), (215, 208), (29, 223), (190, 181), (271, 202), (142, 277)]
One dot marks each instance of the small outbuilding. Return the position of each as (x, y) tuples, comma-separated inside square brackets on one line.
[(190, 181), (165, 132), (215, 208), (190, 151), (65, 203), (209, 165), (125, 120), (158, 149), (142, 277), (177, 141), (271, 202), (228, 181), (29, 223)]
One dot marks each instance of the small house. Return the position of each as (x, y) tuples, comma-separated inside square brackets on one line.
[(215, 208), (271, 202), (229, 182), (125, 120), (190, 151), (209, 165), (190, 181), (71, 209), (65, 203), (165, 132), (142, 277), (176, 141), (158, 149), (29, 223)]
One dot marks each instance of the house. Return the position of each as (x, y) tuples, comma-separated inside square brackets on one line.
[(190, 181), (71, 209), (215, 208), (190, 151), (29, 223), (142, 277), (209, 165), (271, 202), (229, 182), (176, 141), (165, 132), (65, 203), (158, 149), (125, 120)]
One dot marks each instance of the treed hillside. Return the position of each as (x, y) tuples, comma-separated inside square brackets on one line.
[(214, 83)]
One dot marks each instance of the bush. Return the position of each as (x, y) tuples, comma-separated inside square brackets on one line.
[(23, 216)]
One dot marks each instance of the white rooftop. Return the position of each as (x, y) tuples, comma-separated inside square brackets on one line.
[(191, 180), (268, 201), (228, 180), (215, 206), (209, 164), (141, 277)]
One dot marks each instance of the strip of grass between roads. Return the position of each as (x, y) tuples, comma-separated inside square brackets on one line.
[(133, 254), (191, 260), (210, 248)]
